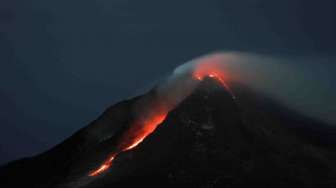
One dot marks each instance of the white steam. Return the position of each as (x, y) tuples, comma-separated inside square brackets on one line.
[(302, 84)]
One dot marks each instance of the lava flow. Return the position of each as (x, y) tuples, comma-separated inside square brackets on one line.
[(133, 137), (144, 126), (212, 70)]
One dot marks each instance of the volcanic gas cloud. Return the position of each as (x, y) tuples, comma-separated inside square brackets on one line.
[(159, 107)]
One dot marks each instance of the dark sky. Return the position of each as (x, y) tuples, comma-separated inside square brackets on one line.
[(63, 62)]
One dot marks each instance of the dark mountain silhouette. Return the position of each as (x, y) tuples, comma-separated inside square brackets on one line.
[(208, 140)]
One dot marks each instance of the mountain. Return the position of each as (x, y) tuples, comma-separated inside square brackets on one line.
[(209, 140)]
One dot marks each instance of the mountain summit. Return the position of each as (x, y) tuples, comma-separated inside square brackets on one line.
[(210, 139)]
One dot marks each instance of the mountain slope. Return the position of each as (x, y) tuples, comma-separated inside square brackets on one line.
[(209, 140)]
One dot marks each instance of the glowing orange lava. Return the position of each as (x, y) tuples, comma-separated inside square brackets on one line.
[(212, 70), (104, 166), (132, 138), (139, 133), (144, 126)]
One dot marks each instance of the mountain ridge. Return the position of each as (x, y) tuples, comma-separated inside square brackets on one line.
[(209, 139)]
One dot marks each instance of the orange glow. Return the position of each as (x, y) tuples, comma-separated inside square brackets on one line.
[(103, 167), (139, 134), (212, 70), (135, 144), (133, 137)]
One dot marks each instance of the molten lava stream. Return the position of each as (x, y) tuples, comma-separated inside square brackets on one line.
[(219, 77), (106, 165), (133, 137)]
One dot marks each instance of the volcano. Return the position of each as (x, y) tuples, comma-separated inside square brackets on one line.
[(210, 139)]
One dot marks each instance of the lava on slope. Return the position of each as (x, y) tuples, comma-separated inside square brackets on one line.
[(132, 137), (143, 127), (213, 70)]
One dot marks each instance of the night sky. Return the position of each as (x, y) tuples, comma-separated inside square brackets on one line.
[(63, 62)]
